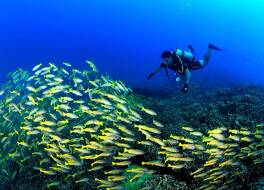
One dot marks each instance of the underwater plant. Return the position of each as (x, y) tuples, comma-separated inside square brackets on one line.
[(136, 176)]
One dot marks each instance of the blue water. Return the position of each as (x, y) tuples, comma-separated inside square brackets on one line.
[(124, 38)]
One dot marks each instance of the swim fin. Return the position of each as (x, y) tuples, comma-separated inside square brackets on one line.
[(213, 47)]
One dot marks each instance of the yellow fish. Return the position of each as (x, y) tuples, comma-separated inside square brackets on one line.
[(115, 171), (125, 130), (153, 163), (116, 178), (123, 163), (146, 128), (198, 171), (32, 100), (134, 151), (36, 67), (148, 143), (187, 146), (196, 133), (22, 143), (178, 166), (217, 136), (148, 111), (156, 140), (66, 64), (157, 124), (48, 123), (186, 128), (230, 162), (70, 115)]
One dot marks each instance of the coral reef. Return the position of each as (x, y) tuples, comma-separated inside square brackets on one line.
[(160, 182), (258, 185), (204, 112)]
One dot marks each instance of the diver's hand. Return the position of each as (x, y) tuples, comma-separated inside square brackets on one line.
[(150, 75), (185, 88)]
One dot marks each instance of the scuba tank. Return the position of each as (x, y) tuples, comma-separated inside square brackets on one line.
[(187, 56)]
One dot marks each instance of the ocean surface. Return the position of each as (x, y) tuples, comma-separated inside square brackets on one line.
[(125, 38)]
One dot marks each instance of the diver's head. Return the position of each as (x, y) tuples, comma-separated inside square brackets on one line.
[(166, 57)]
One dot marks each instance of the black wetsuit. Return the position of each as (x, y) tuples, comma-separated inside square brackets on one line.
[(180, 64)]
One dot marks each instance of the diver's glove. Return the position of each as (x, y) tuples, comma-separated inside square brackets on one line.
[(185, 88), (150, 75)]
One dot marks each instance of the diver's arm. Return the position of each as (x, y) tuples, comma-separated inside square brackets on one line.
[(187, 75), (153, 73)]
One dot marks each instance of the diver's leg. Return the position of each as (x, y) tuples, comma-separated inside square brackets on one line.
[(207, 57), (198, 64), (208, 54)]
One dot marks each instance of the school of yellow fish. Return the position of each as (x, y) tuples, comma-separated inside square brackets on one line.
[(61, 121), (79, 126)]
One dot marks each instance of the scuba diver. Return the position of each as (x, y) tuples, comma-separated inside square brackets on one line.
[(182, 62)]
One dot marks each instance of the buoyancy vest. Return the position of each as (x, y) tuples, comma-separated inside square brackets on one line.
[(181, 60)]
